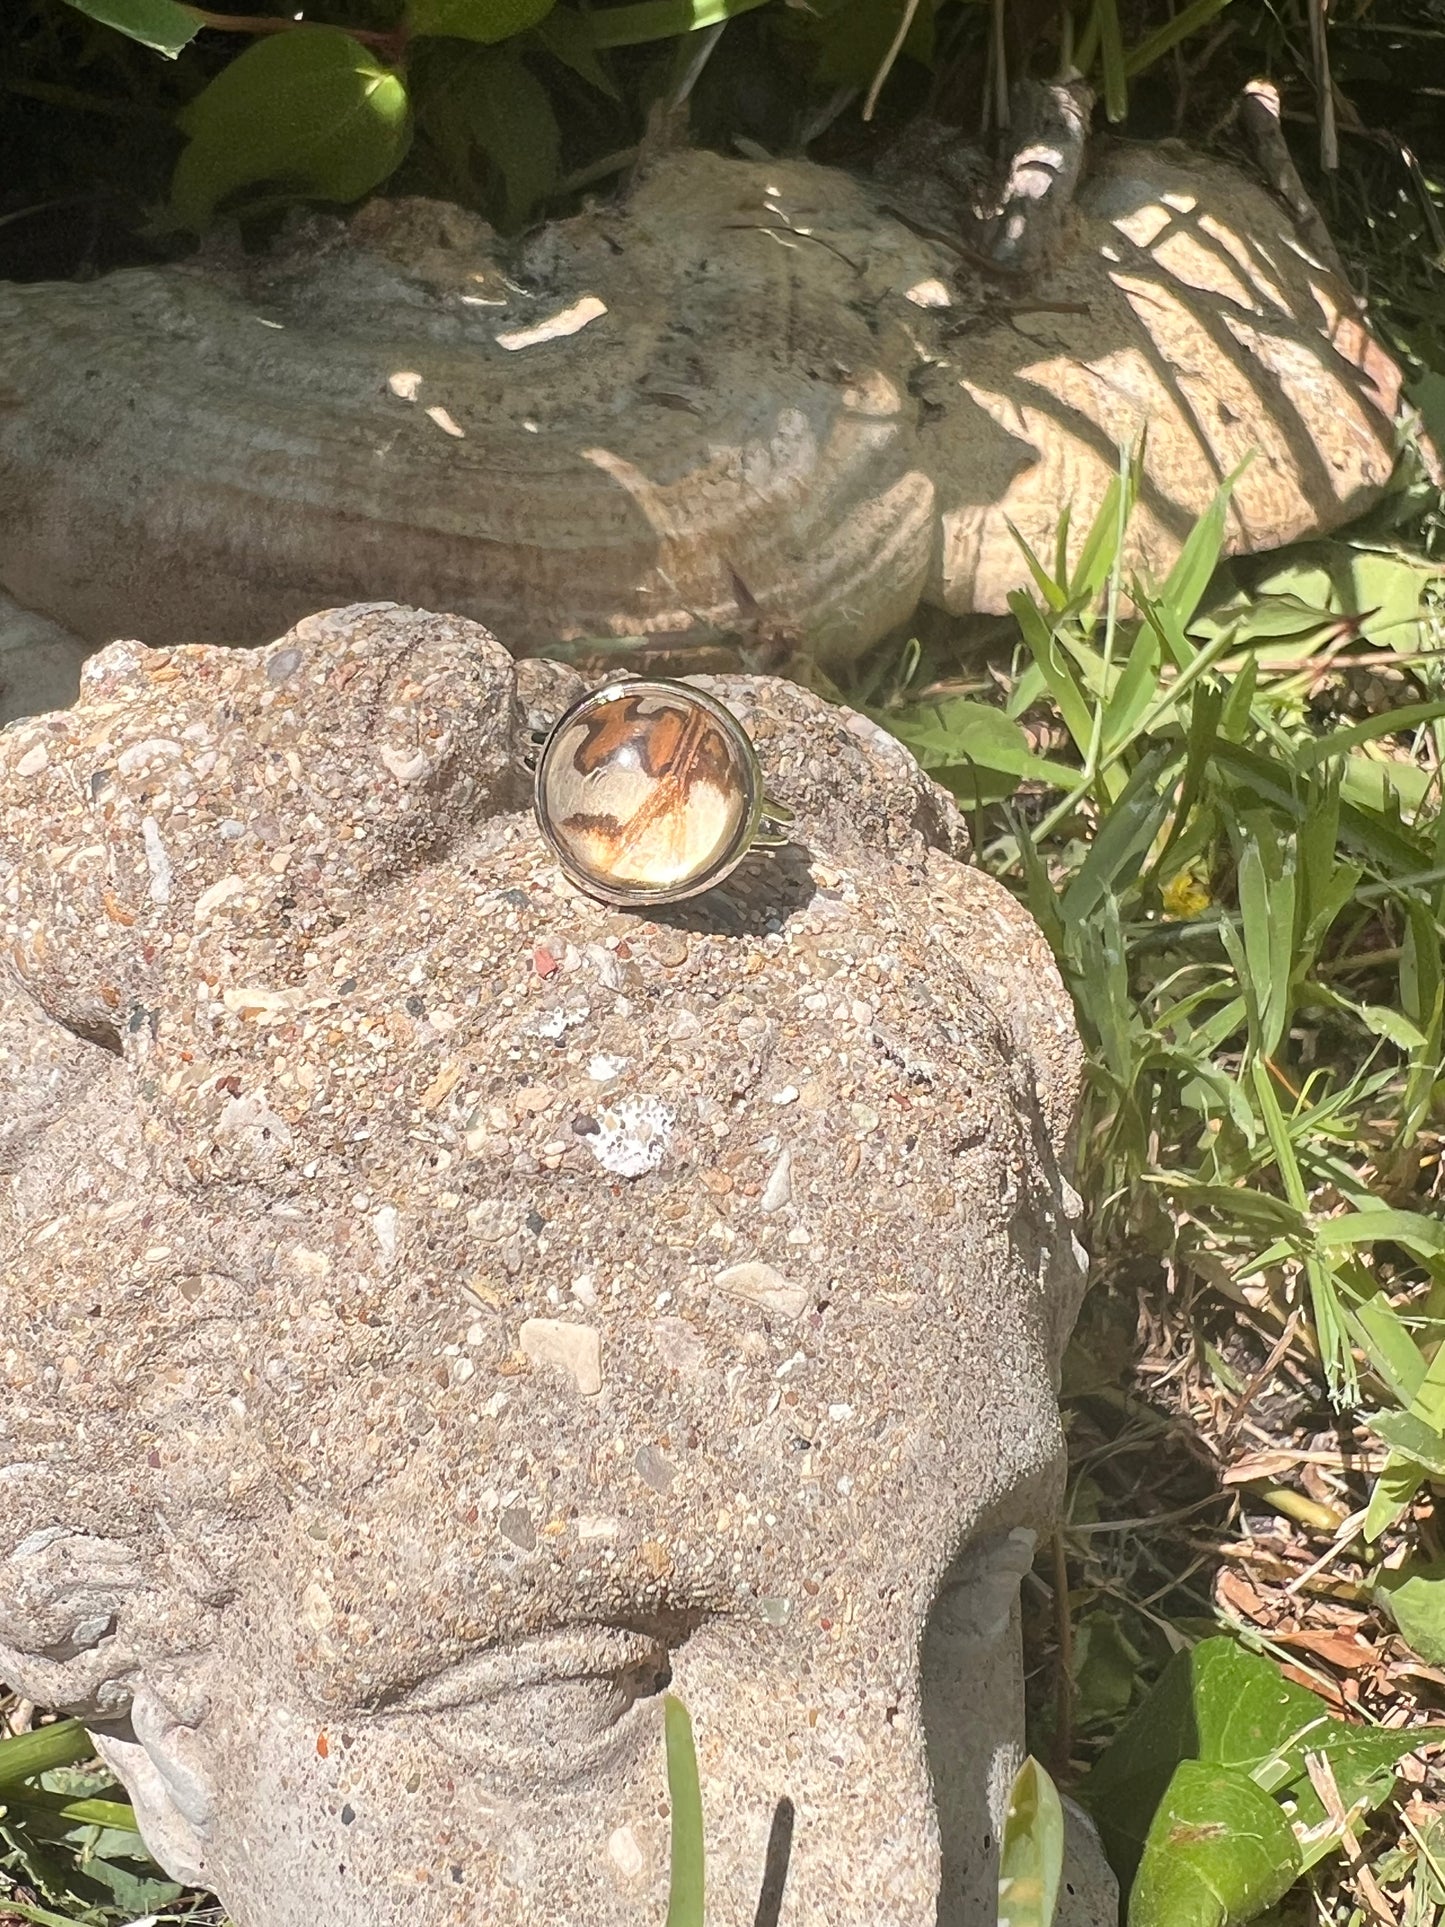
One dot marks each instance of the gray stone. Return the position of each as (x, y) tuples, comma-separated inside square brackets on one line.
[(39, 663), (287, 1143)]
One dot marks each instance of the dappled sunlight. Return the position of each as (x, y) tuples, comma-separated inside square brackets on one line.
[(1180, 332), (749, 395)]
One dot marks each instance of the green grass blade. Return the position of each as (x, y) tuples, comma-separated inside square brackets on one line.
[(1186, 582), (1051, 588), (1111, 50), (1063, 685), (1329, 1319), (1266, 881), (1131, 693), (1061, 546), (1392, 1352), (117, 1814), (1412, 1229), (27, 1754), (1339, 741), (1166, 625), (1102, 544), (1164, 39), (1118, 851), (685, 1890), (38, 1915)]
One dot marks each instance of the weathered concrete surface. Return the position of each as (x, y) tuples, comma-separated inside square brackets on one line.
[(434, 1307)]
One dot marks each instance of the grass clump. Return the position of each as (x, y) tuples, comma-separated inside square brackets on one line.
[(1220, 796)]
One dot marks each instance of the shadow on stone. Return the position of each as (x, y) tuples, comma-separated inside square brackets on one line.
[(767, 888), (775, 1867)]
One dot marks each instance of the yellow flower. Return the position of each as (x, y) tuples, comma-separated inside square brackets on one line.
[(1187, 893)]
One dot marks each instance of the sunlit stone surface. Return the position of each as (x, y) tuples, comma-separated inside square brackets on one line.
[(647, 789), (481, 1307)]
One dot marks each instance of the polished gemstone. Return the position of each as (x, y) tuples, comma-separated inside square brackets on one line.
[(647, 788)]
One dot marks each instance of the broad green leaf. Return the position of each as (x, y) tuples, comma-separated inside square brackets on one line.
[(566, 36), (1427, 392), (162, 25), (311, 111), (633, 26), (1394, 1493), (1391, 1350), (1414, 1597), (1231, 1708), (687, 1884), (1376, 591), (1382, 1021), (956, 730), (1219, 1852), (1105, 1666), (1031, 1853), (974, 749), (1388, 590), (1254, 620), (483, 20), (487, 102), (1386, 783), (854, 39), (1422, 1444)]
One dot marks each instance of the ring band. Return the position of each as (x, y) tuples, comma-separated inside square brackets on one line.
[(649, 791)]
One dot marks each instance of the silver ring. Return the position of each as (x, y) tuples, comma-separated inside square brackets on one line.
[(649, 791)]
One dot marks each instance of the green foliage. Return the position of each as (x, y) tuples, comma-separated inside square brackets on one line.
[(1238, 861), (1031, 1852), (311, 112), (1414, 1597), (648, 20), (973, 748), (485, 20), (67, 1838), (24, 1756), (1246, 897), (488, 113), (1205, 1797), (163, 25), (687, 1884), (282, 119), (1219, 1852), (1100, 53), (853, 37)]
